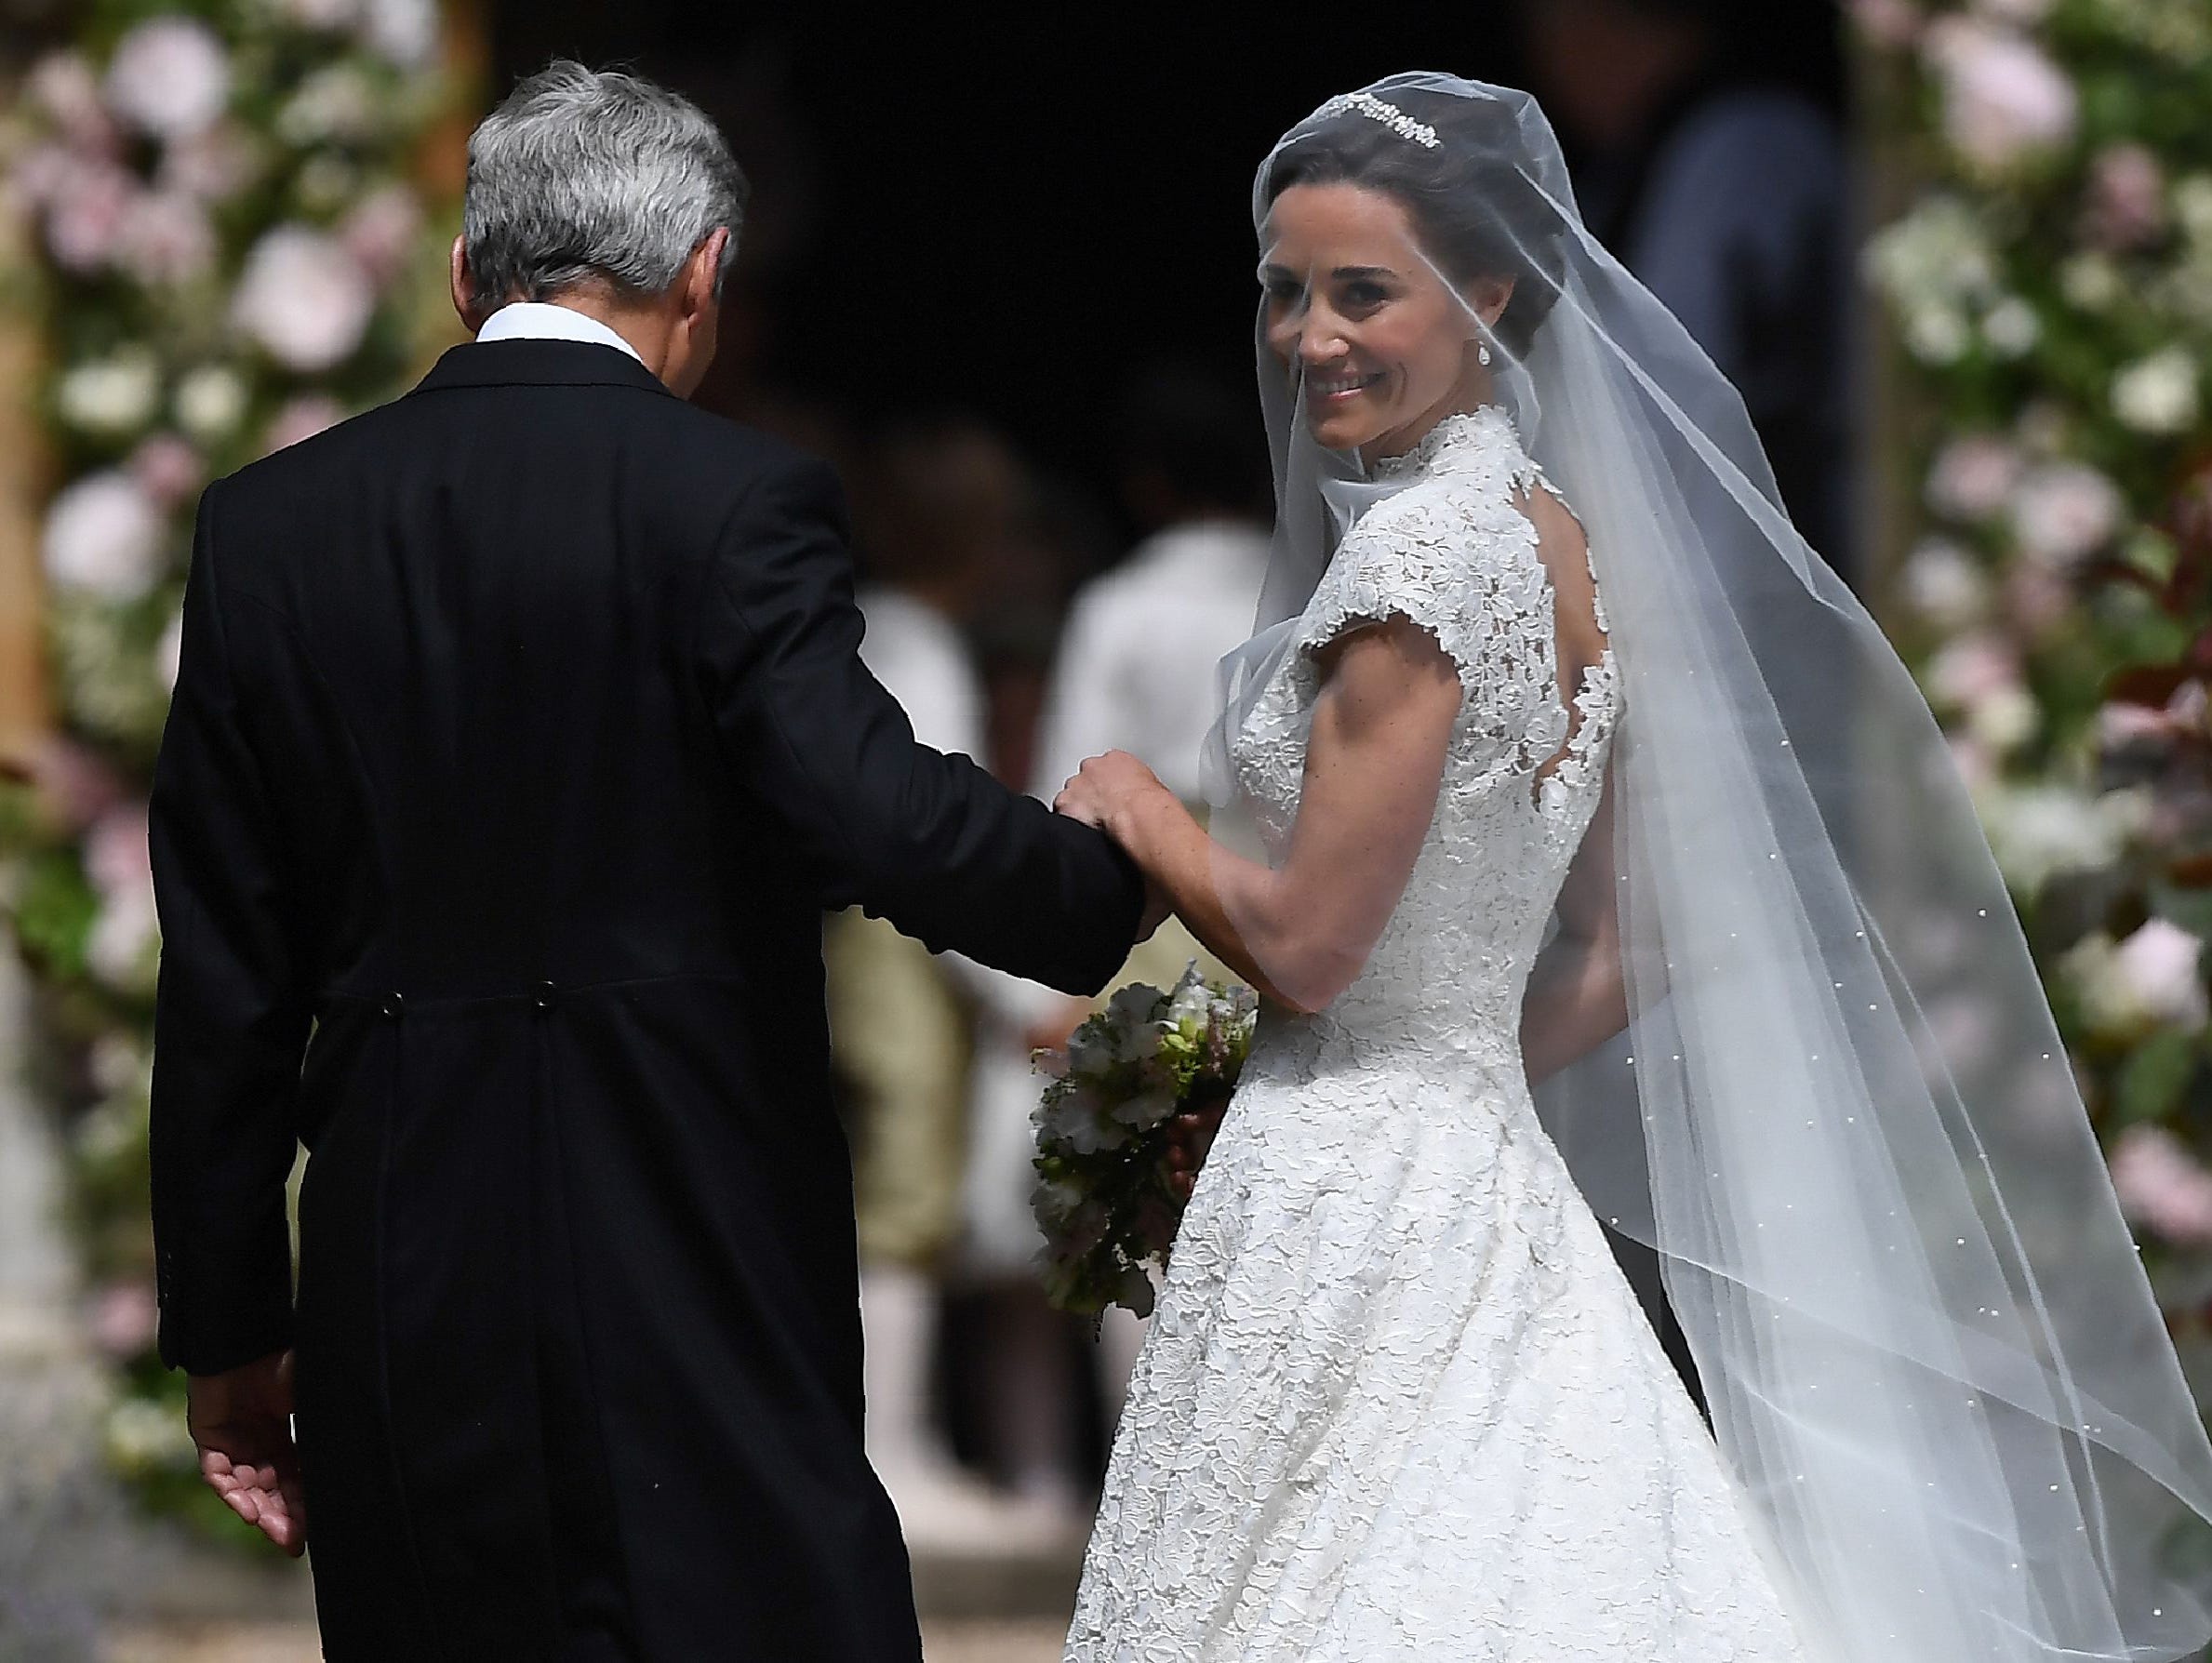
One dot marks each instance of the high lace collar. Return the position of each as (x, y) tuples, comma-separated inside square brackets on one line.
[(1462, 435)]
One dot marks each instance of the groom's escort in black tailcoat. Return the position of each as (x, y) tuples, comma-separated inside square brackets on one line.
[(520, 741)]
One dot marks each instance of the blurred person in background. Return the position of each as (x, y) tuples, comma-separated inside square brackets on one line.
[(1135, 671), (940, 495), (1724, 190)]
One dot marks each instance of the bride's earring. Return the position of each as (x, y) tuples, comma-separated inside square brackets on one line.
[(1482, 354)]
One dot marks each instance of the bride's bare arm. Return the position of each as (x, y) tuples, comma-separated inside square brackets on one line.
[(1300, 932)]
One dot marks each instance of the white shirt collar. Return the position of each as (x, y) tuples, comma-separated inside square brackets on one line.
[(543, 320)]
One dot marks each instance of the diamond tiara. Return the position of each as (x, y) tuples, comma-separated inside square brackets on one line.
[(1368, 104)]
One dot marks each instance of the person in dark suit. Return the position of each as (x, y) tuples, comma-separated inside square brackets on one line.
[(520, 740)]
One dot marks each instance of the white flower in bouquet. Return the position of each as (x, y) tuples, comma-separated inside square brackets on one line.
[(1945, 585), (406, 32), (2002, 96), (210, 402), (1973, 477), (169, 77), (2011, 328), (2157, 394), (104, 537), (303, 298), (166, 238), (109, 397), (2064, 511), (1079, 1118), (302, 418), (2161, 1184)]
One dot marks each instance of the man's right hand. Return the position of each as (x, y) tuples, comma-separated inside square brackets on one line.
[(242, 1422)]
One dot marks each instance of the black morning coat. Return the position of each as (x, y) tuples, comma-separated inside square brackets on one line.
[(520, 740)]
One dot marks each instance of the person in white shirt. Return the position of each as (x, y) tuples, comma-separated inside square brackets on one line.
[(1134, 672), (935, 498)]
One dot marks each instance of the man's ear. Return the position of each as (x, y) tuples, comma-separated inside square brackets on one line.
[(700, 269), (464, 299)]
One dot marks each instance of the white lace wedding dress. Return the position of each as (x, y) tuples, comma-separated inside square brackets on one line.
[(1398, 1401)]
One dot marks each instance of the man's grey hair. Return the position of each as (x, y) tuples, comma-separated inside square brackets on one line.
[(592, 174)]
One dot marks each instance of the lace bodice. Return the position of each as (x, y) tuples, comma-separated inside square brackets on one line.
[(1453, 552)]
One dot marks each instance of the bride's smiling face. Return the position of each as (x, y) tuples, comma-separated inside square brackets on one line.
[(1378, 347)]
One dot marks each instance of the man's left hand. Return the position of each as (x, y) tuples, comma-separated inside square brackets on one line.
[(242, 1421)]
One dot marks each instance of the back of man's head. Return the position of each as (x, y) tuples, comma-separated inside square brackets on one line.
[(587, 176)]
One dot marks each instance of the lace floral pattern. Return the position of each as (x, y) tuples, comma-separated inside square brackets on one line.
[(1398, 1401)]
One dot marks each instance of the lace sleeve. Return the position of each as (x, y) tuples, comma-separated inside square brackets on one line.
[(1414, 556)]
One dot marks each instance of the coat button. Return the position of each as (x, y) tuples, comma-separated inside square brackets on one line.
[(394, 1003), (545, 995)]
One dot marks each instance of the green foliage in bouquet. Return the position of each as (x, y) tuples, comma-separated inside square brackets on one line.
[(2048, 274), (1102, 1126), (221, 238)]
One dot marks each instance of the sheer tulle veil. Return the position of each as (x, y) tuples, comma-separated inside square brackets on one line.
[(1841, 1110)]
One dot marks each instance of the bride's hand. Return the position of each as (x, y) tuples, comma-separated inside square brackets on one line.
[(1106, 791)]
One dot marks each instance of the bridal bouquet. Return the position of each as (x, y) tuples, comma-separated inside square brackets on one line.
[(1103, 1131)]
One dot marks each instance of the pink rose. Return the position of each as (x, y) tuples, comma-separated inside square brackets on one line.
[(2161, 1185), (302, 418), (1973, 477), (2126, 206), (168, 468), (380, 233), (2002, 95)]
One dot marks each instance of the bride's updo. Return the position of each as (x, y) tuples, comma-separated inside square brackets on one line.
[(1476, 212)]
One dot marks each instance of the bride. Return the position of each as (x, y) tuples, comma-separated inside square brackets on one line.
[(1597, 857)]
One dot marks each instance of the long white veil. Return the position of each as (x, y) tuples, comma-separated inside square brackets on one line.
[(1841, 1110)]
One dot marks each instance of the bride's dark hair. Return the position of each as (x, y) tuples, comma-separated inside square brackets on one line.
[(1479, 215)]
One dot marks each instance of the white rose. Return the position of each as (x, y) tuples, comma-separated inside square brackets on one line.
[(104, 537), (404, 31), (2157, 394), (2158, 964), (1972, 667), (112, 396), (1945, 585), (303, 298), (2002, 96), (2036, 831), (1937, 335), (169, 77), (2011, 328), (2005, 718), (2064, 511), (210, 402), (2090, 281)]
